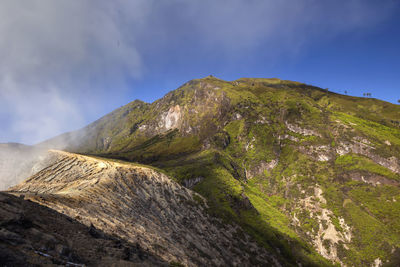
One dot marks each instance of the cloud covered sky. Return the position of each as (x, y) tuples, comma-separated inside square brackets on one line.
[(65, 63)]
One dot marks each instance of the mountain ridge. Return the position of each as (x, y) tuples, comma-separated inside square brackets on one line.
[(142, 206), (242, 82), (296, 166)]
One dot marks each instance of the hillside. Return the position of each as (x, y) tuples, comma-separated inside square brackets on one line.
[(296, 166), (144, 207), (33, 235)]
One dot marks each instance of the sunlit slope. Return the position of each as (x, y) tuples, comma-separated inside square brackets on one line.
[(294, 165), (142, 206)]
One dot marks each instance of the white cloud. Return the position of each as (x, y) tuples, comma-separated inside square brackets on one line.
[(55, 53), (60, 59)]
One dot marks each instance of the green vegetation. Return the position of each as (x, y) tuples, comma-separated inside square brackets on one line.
[(259, 173), (375, 131), (355, 162), (175, 264)]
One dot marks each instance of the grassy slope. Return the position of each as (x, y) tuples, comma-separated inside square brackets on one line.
[(242, 143)]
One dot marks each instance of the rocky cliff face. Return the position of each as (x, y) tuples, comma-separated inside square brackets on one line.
[(309, 173), (144, 207)]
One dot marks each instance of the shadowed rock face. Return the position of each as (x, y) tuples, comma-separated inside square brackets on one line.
[(34, 235), (142, 206)]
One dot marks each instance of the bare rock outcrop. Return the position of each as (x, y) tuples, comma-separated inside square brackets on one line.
[(142, 206)]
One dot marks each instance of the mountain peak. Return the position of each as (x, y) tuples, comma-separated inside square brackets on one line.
[(296, 166)]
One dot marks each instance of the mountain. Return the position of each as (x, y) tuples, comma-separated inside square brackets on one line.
[(312, 176), (144, 207)]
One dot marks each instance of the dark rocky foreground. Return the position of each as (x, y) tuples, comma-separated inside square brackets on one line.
[(34, 235)]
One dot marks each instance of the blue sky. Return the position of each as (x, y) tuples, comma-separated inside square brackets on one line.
[(67, 63)]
